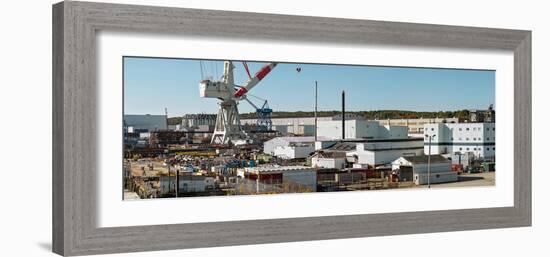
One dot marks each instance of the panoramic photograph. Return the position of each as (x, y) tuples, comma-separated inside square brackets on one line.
[(194, 127)]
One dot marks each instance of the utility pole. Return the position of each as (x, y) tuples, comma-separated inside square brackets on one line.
[(169, 179), (315, 113), (177, 182), (429, 158)]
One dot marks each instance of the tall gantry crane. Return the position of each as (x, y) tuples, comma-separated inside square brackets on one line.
[(228, 123)]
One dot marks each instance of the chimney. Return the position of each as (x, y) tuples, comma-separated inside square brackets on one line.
[(343, 115), (315, 113)]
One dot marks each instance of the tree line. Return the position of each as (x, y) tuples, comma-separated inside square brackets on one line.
[(370, 115)]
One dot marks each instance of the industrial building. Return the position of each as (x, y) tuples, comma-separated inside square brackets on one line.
[(380, 152), (439, 168), (144, 123), (291, 147), (486, 116), (329, 159), (300, 126), (375, 152), (360, 128), (196, 120), (192, 183), (348, 176), (451, 138), (305, 126), (416, 126), (188, 183), (369, 143), (268, 179)]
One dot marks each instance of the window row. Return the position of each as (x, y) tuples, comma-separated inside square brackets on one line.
[(468, 139), (476, 149), (473, 129)]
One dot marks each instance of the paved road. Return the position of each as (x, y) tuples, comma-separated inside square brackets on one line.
[(467, 180)]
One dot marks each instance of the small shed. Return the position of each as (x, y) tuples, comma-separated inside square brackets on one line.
[(440, 168), (329, 159)]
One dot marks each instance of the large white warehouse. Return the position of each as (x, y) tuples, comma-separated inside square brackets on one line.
[(297, 126), (369, 143), (379, 152), (360, 128), (416, 126), (476, 138)]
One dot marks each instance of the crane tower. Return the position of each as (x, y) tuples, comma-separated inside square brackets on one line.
[(228, 124)]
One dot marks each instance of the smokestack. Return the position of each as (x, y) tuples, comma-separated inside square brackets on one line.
[(343, 115), (166, 113), (315, 113)]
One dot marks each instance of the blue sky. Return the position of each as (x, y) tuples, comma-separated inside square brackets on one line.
[(151, 84)]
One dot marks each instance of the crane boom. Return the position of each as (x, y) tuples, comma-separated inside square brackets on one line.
[(228, 125), (255, 80)]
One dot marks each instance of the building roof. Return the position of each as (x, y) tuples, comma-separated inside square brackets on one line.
[(277, 168), (343, 146), (302, 139), (329, 154), (424, 159), (351, 144)]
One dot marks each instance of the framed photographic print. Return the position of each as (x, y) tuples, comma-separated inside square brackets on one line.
[(183, 128)]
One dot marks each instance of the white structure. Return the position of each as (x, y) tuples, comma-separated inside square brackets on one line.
[(369, 143), (448, 138), (297, 129), (328, 159), (188, 183), (228, 124), (306, 125), (136, 123), (293, 151), (416, 126), (193, 183), (303, 126), (375, 152), (440, 168), (290, 147), (380, 152), (359, 128), (306, 177)]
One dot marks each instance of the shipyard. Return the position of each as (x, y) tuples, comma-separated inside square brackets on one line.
[(268, 151)]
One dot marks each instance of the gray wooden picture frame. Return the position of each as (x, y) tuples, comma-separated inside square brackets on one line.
[(74, 126)]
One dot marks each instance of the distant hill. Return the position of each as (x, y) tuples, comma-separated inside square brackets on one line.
[(371, 115)]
